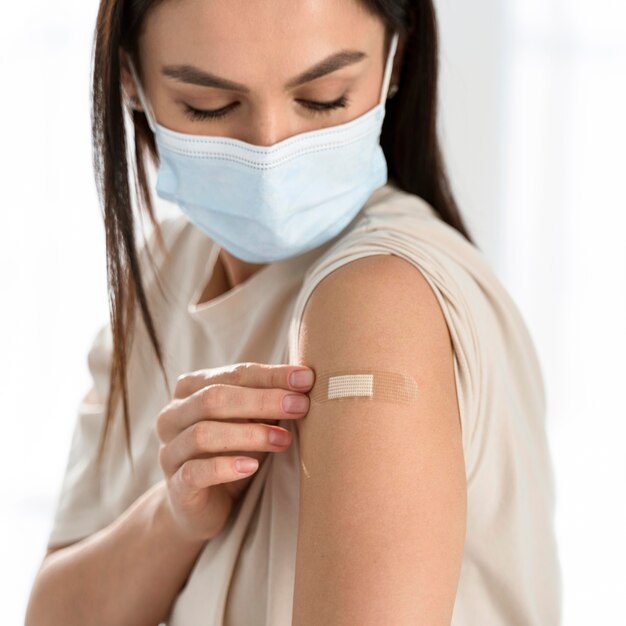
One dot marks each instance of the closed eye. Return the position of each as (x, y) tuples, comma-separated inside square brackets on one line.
[(325, 106), (313, 106)]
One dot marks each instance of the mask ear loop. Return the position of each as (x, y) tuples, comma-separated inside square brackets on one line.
[(389, 67), (142, 97)]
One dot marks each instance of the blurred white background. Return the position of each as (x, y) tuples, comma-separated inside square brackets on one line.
[(534, 128)]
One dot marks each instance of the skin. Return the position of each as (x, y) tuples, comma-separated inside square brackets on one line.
[(382, 515), (382, 511), (277, 41)]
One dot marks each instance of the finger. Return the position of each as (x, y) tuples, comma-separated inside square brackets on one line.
[(247, 374), (211, 437), (197, 474), (220, 401)]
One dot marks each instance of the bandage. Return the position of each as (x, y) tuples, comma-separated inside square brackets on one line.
[(365, 384), (362, 385)]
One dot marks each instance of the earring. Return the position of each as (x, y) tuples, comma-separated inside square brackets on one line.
[(133, 102), (393, 90)]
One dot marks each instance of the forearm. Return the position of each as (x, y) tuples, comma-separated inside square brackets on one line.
[(127, 573)]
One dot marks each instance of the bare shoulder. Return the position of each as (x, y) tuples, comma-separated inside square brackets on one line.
[(380, 312), (383, 492), (382, 303)]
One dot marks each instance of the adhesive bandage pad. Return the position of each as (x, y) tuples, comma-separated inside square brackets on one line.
[(366, 384)]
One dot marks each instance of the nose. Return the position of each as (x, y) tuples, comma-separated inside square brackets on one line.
[(270, 125)]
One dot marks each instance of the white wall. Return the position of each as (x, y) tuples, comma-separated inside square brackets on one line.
[(534, 102), (565, 229), (52, 269), (474, 65), (533, 124)]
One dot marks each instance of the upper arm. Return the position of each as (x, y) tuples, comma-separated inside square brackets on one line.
[(383, 496)]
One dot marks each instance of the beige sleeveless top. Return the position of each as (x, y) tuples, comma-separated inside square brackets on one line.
[(510, 572)]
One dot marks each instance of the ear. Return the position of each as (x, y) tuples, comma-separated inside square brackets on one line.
[(128, 84)]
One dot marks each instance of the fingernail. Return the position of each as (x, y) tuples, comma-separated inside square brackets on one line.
[(245, 466), (279, 437), (295, 404), (301, 378)]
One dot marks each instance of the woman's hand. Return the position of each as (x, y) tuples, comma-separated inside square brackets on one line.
[(214, 412)]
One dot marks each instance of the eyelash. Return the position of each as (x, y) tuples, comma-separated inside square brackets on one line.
[(315, 107)]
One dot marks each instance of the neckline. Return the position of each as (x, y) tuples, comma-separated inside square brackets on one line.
[(258, 289), (195, 308), (270, 279)]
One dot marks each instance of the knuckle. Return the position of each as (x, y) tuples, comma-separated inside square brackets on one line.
[(252, 434), (214, 397), (163, 419), (182, 385), (160, 423), (265, 400), (277, 377), (240, 373), (238, 396), (187, 474), (226, 440), (188, 382), (199, 436)]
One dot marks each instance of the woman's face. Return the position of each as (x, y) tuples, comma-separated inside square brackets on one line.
[(261, 66)]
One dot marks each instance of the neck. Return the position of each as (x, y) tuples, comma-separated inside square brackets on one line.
[(236, 270)]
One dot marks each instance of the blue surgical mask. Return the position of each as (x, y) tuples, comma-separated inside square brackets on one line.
[(268, 203)]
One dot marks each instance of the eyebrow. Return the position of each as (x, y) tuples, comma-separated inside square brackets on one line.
[(196, 76)]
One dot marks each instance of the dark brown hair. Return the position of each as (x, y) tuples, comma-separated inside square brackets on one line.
[(409, 139)]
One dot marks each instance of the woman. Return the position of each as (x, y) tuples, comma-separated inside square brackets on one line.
[(413, 484)]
